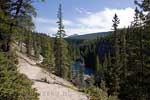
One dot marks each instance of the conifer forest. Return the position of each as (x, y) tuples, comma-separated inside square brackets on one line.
[(107, 65)]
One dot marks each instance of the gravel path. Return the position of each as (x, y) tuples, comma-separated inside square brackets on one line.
[(54, 88)]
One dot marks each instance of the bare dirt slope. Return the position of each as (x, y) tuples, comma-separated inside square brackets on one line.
[(54, 88)]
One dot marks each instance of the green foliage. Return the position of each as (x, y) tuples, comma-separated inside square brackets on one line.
[(114, 71), (62, 57), (16, 16), (98, 93), (49, 59), (138, 58), (126, 65), (62, 60), (14, 86), (121, 59), (29, 44)]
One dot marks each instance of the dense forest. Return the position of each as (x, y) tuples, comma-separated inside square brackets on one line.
[(120, 60)]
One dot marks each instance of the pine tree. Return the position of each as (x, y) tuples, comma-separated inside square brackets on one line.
[(21, 13), (116, 21), (99, 72), (140, 51), (105, 63), (36, 47), (124, 68), (123, 55), (81, 73), (49, 59), (97, 65), (115, 70), (62, 59), (4, 24), (29, 44), (136, 78), (14, 86)]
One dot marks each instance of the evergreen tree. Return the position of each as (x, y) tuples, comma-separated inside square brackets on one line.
[(124, 68), (62, 59), (36, 45), (97, 65), (116, 21), (81, 77), (139, 56), (115, 70), (49, 59), (4, 23), (21, 13), (123, 54), (105, 63), (29, 44), (14, 86), (99, 72)]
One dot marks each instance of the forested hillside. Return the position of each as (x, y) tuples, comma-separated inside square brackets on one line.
[(89, 36), (121, 60)]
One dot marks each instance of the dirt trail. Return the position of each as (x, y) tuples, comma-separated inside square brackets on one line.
[(54, 89)]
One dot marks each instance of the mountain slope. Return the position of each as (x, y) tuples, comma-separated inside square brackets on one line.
[(89, 36), (49, 86)]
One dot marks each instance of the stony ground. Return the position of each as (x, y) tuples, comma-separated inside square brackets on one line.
[(49, 86)]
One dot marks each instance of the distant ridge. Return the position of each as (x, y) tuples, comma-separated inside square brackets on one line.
[(73, 35), (89, 36)]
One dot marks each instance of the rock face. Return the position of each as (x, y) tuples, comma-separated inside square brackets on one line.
[(49, 86)]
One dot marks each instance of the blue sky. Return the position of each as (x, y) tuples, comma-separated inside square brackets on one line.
[(82, 16)]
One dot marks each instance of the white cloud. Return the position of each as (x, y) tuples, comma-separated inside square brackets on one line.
[(82, 11), (103, 19), (90, 22), (68, 23)]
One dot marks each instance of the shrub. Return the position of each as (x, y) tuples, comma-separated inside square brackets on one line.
[(13, 85)]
